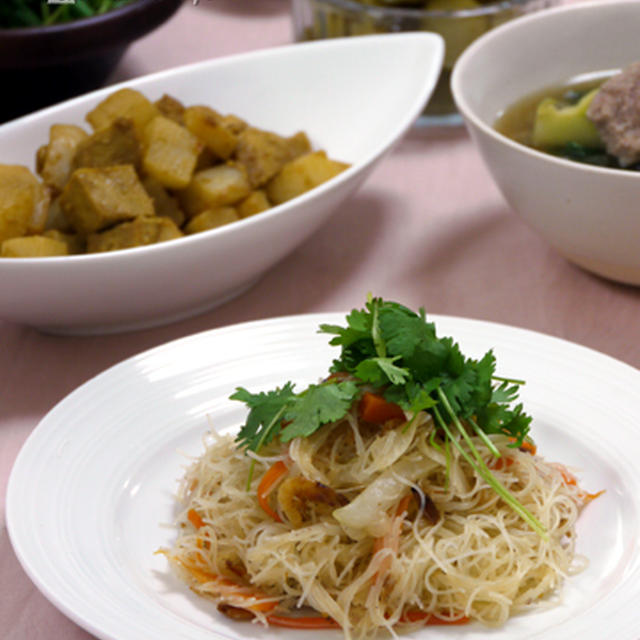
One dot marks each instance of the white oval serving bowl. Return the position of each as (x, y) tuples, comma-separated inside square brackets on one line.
[(590, 215), (355, 98)]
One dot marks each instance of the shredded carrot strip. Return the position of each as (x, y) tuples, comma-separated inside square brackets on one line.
[(567, 477), (528, 447), (374, 408), (588, 497), (502, 463), (203, 544), (267, 484), (306, 622), (228, 589), (194, 518)]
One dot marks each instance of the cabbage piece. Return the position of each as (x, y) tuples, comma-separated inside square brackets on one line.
[(390, 446), (368, 513)]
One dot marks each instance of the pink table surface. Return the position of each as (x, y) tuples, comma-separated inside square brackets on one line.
[(437, 233)]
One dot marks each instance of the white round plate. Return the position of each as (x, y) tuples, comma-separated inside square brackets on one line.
[(91, 494)]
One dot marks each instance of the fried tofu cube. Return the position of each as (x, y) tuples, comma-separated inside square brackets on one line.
[(264, 153), (124, 103), (171, 108), (24, 202), (165, 205), (211, 218), (302, 174), (207, 125), (54, 160), (298, 145), (32, 247), (218, 186), (171, 152), (98, 198), (136, 233), (117, 143), (255, 202)]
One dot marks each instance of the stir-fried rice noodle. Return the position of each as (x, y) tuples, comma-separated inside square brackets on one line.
[(456, 551)]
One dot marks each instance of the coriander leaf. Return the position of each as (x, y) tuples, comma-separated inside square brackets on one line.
[(381, 371), (403, 333), (264, 419), (420, 398), (518, 425), (455, 364), (412, 396), (354, 354), (500, 418), (491, 417), (483, 391), (358, 328), (316, 406), (459, 381), (504, 393)]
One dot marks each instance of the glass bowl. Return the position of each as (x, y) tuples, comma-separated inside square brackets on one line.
[(459, 22)]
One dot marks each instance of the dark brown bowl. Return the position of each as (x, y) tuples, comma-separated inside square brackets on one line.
[(40, 66)]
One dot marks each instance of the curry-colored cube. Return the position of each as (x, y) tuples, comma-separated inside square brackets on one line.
[(207, 125), (171, 108), (32, 247), (164, 204), (24, 202), (264, 153), (255, 202), (117, 143), (211, 218), (206, 159), (98, 198), (217, 186), (302, 174), (136, 233), (171, 152), (55, 160), (56, 219), (298, 145), (234, 123), (124, 103), (74, 241)]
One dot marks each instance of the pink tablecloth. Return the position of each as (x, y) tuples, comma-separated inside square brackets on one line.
[(426, 241)]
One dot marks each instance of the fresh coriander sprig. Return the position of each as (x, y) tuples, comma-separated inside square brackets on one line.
[(286, 415), (391, 348)]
